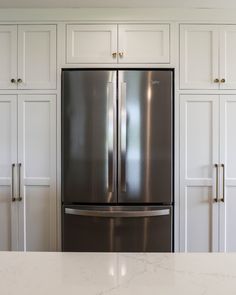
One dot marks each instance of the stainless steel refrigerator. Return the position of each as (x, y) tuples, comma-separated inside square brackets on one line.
[(117, 160)]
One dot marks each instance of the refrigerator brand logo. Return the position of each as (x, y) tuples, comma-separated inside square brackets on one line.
[(155, 82)]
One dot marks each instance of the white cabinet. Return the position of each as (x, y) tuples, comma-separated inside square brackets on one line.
[(207, 192), (207, 57), (28, 57), (139, 43), (28, 140), (8, 56)]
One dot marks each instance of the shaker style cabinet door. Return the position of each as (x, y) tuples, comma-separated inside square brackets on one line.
[(199, 141), (227, 57), (8, 158), (91, 44), (37, 172), (8, 56), (36, 57), (199, 54), (227, 173), (144, 43)]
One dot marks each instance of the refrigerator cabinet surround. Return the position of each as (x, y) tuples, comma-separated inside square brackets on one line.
[(117, 160), (117, 228)]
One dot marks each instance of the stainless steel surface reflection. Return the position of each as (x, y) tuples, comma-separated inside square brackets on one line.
[(145, 163)]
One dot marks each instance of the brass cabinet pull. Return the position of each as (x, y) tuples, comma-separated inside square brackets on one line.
[(223, 197), (114, 54), (19, 81), (19, 180), (13, 80), (12, 183), (121, 54), (217, 182), (222, 81), (216, 81)]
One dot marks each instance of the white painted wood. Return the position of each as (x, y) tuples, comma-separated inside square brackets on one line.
[(199, 141), (37, 154), (144, 43), (8, 156), (199, 53), (8, 56), (227, 56), (91, 43), (37, 56), (228, 158)]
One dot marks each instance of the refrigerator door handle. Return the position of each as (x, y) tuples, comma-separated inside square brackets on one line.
[(110, 131), (123, 137), (117, 214)]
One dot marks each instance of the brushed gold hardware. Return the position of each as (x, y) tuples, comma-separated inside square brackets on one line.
[(216, 81), (222, 81), (121, 54), (217, 182), (13, 80), (19, 81), (223, 197), (114, 54)]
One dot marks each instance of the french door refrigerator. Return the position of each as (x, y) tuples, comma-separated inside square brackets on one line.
[(117, 160)]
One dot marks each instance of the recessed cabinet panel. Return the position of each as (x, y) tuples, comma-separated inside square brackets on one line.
[(199, 219), (37, 56), (5, 218), (144, 43), (8, 56), (199, 57), (36, 153), (91, 43), (228, 57)]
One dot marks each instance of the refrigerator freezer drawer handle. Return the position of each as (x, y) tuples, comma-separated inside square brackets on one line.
[(111, 214)]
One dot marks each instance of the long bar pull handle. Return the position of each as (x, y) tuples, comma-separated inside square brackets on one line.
[(223, 197), (12, 183), (110, 131), (123, 137), (217, 182), (19, 182)]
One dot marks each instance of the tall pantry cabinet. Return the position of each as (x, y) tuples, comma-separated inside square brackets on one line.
[(28, 137), (207, 138)]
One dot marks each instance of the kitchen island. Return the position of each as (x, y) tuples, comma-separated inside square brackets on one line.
[(35, 273)]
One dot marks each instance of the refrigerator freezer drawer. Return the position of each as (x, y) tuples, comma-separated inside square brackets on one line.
[(117, 229)]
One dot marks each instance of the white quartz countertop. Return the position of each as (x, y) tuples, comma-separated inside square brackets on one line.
[(112, 274)]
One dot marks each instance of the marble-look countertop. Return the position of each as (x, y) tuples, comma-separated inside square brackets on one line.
[(112, 274)]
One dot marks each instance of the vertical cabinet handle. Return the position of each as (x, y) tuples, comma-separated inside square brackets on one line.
[(223, 197), (110, 131), (19, 182), (217, 182), (12, 183), (123, 137)]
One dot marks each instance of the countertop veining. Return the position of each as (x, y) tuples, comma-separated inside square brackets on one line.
[(116, 273)]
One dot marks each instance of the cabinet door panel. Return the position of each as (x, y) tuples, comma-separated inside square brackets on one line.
[(228, 158), (144, 43), (37, 154), (91, 43), (37, 56), (199, 142), (8, 56), (227, 56), (8, 156), (199, 57)]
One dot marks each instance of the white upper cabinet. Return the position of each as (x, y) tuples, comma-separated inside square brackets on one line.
[(199, 57), (91, 43), (144, 43), (228, 57), (37, 56), (139, 43), (8, 56), (207, 57), (28, 57)]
